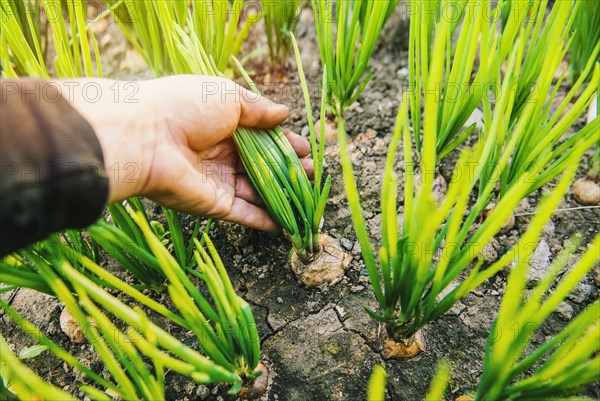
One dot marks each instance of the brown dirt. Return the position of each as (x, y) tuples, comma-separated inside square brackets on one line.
[(319, 344)]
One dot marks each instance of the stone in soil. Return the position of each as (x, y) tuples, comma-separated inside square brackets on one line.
[(586, 192)]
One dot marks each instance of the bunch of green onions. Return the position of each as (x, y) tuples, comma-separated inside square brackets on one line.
[(281, 20), (226, 332), (216, 24), (23, 46), (410, 280), (585, 38), (447, 73), (347, 43), (565, 362)]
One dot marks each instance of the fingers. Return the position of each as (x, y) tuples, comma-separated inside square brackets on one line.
[(247, 214), (299, 143), (245, 190), (309, 166), (259, 112)]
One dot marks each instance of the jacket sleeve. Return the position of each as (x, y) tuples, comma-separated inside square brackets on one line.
[(51, 165)]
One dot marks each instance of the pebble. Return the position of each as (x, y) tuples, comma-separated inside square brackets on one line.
[(403, 72), (565, 311), (346, 243), (364, 272), (356, 248), (305, 131), (357, 288), (580, 293), (279, 300), (540, 262), (202, 392)]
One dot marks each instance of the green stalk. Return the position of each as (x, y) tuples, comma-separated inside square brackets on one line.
[(347, 45)]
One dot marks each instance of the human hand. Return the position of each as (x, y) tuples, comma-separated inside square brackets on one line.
[(171, 142)]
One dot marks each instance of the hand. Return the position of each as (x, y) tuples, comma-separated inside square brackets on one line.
[(170, 141)]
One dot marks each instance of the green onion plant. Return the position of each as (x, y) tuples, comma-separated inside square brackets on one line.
[(419, 263), (23, 49), (585, 38), (512, 370), (17, 379), (347, 32), (214, 23), (223, 324), (453, 84), (281, 20)]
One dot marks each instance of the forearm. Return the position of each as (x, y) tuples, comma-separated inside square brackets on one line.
[(52, 166)]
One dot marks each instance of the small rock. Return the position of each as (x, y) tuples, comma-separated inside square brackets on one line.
[(364, 272), (340, 310), (475, 118), (356, 248), (279, 300), (305, 131), (357, 288), (347, 244), (580, 293), (565, 311), (402, 72), (489, 253), (586, 192), (539, 262)]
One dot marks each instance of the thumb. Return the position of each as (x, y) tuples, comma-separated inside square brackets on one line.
[(257, 111)]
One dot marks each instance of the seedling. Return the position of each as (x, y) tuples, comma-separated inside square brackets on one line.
[(568, 360), (454, 85), (223, 324), (420, 261), (347, 33), (281, 20), (215, 24), (584, 39)]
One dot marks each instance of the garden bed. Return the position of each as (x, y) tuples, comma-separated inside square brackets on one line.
[(319, 344)]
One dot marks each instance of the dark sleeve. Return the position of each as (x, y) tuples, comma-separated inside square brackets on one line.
[(51, 165)]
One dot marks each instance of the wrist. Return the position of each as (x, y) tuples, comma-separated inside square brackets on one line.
[(123, 130)]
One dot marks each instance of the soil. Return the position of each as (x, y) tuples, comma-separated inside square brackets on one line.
[(319, 344)]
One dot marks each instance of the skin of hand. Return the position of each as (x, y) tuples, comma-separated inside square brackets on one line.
[(169, 139)]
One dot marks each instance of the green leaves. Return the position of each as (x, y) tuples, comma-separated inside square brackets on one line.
[(281, 19), (376, 391), (22, 381), (23, 51), (437, 243), (562, 364), (279, 178), (453, 85), (584, 39), (215, 25), (347, 33), (123, 336)]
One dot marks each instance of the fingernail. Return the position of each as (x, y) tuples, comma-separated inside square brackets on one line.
[(282, 108)]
